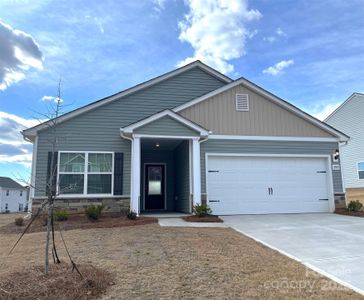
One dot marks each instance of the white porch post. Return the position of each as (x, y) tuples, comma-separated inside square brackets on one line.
[(135, 177), (196, 171)]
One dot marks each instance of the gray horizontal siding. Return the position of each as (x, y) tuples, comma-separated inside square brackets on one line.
[(166, 126), (268, 147), (99, 129)]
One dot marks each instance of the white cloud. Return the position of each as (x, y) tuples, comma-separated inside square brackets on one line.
[(51, 98), (216, 29), (279, 33), (18, 53), (159, 5), (322, 111), (13, 148), (278, 67)]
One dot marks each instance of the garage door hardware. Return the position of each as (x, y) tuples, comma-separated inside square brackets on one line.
[(214, 200), (213, 171), (321, 172), (324, 199)]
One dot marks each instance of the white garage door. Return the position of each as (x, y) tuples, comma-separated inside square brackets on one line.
[(261, 185)]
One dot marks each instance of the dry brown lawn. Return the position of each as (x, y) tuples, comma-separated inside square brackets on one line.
[(153, 262)]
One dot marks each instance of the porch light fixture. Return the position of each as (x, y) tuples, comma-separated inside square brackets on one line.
[(157, 145), (336, 155)]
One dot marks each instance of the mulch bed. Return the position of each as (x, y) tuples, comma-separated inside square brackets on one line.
[(344, 211), (60, 283), (204, 219), (80, 221)]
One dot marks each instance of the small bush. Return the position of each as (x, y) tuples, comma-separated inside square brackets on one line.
[(19, 221), (355, 206), (202, 210), (61, 215), (93, 212), (132, 215)]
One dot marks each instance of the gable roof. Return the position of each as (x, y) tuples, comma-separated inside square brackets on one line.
[(6, 182), (31, 132), (259, 90), (130, 128), (353, 95)]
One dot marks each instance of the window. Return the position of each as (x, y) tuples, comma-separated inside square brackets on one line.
[(21, 193), (361, 170), (85, 173), (6, 206), (242, 102), (21, 207), (7, 192)]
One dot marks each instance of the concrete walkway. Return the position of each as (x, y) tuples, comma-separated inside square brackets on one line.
[(178, 222), (328, 243)]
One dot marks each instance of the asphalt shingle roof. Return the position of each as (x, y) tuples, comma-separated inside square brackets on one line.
[(7, 182)]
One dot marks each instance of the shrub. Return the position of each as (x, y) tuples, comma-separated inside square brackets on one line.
[(202, 210), (19, 221), (93, 212), (132, 215), (44, 218), (355, 206), (61, 215)]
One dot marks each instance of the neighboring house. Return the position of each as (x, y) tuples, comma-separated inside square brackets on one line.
[(191, 136), (349, 118), (13, 196)]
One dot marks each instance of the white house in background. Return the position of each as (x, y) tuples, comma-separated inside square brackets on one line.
[(349, 118), (13, 196)]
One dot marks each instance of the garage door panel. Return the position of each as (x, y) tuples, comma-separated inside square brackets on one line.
[(267, 185)]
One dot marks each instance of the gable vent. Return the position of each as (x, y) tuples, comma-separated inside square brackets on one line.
[(242, 102)]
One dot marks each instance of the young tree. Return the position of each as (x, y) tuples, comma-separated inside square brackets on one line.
[(52, 188)]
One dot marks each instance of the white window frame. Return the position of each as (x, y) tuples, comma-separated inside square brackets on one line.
[(85, 174), (357, 168), (236, 102)]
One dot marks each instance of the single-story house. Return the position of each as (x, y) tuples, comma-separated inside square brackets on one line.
[(191, 136), (13, 196), (349, 118)]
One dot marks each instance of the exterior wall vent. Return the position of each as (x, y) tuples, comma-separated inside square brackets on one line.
[(242, 102)]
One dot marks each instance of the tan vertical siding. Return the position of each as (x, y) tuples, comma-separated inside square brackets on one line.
[(264, 117)]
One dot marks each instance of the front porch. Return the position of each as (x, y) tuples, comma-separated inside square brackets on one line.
[(165, 163)]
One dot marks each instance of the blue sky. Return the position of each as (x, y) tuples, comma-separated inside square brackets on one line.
[(310, 53)]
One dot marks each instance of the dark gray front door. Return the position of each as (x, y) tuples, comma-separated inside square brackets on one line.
[(154, 187)]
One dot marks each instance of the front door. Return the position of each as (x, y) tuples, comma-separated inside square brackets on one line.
[(154, 187)]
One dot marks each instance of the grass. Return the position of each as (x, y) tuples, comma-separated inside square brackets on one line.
[(153, 262)]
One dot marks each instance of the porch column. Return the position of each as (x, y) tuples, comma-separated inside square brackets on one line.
[(196, 172), (135, 177)]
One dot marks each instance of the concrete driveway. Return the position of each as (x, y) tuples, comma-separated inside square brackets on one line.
[(330, 244)]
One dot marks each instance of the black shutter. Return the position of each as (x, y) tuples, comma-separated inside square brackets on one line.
[(118, 173), (50, 173)]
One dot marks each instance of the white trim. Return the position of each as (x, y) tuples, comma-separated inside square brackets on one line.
[(165, 184), (269, 96), (164, 113), (330, 185), (64, 196), (273, 138), (173, 137), (33, 131), (135, 176), (196, 165), (85, 174)]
